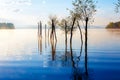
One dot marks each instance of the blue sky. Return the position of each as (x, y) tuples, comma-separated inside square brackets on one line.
[(29, 12)]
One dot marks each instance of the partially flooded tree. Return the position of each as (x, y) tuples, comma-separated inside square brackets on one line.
[(65, 25), (77, 18), (117, 6), (86, 10), (53, 48), (53, 22)]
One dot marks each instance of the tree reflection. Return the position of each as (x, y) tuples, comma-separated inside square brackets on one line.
[(53, 47), (76, 69), (77, 74), (40, 44), (48, 36), (45, 36), (40, 37), (114, 32)]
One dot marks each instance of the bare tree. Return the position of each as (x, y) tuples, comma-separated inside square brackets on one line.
[(117, 6), (53, 22), (68, 21), (68, 25), (86, 10)]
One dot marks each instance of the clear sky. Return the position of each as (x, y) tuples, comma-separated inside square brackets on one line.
[(29, 12)]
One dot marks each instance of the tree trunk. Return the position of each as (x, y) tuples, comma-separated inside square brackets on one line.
[(55, 33), (72, 31), (86, 47), (51, 35), (81, 38), (40, 28), (65, 41)]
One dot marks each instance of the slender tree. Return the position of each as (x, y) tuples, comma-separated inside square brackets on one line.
[(73, 23), (65, 40), (64, 26), (68, 25), (86, 10)]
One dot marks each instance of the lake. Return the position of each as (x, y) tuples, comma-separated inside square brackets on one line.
[(26, 56)]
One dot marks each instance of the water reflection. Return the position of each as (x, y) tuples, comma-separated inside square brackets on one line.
[(40, 44), (53, 48), (21, 51), (70, 58), (114, 32), (76, 69), (48, 36), (45, 36)]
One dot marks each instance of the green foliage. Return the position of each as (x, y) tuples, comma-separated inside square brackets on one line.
[(6, 26), (113, 25)]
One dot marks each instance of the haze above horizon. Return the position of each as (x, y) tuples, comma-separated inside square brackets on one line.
[(29, 12)]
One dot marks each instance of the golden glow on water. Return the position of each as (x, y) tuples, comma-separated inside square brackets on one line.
[(15, 43), (19, 43)]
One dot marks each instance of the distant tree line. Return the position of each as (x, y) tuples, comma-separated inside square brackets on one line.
[(115, 25), (7, 26)]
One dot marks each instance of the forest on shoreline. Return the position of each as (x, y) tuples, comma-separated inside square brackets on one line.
[(7, 26)]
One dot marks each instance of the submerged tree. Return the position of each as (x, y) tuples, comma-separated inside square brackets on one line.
[(117, 6), (86, 10), (67, 25), (53, 22)]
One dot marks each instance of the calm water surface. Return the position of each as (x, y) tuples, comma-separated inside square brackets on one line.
[(25, 56)]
